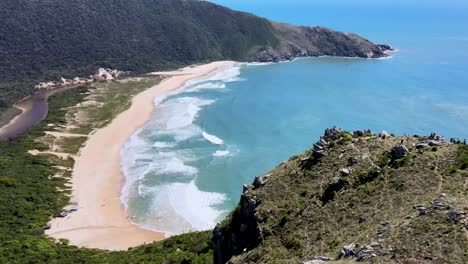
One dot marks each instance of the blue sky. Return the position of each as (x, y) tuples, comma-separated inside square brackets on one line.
[(369, 17), (243, 4)]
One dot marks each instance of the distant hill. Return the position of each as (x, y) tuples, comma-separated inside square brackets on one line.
[(355, 197), (48, 39)]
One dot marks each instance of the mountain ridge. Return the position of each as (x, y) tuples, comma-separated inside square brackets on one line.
[(45, 40)]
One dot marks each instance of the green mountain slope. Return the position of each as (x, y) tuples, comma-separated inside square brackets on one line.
[(383, 199), (48, 39)]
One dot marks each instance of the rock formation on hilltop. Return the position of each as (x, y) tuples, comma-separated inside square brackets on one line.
[(359, 196)]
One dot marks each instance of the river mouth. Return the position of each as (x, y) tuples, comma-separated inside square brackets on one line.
[(33, 109)]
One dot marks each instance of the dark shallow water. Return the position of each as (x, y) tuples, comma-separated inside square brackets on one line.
[(35, 109)]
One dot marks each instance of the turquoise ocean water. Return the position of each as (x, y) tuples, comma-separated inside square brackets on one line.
[(186, 167)]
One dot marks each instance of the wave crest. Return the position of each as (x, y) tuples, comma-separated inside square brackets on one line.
[(212, 138)]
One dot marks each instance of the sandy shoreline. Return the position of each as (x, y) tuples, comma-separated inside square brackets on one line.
[(101, 221), (4, 130)]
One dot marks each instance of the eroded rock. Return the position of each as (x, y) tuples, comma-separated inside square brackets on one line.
[(353, 161), (332, 133), (384, 134), (335, 185), (345, 171), (399, 151)]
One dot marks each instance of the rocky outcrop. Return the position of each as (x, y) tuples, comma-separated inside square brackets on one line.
[(345, 172), (298, 42), (318, 260), (336, 185), (354, 197), (431, 141), (399, 152), (238, 233), (360, 133), (332, 134), (359, 252), (384, 134)]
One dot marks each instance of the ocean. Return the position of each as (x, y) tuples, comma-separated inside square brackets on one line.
[(185, 168)]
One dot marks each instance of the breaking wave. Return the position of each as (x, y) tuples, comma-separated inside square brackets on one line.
[(212, 138), (161, 162)]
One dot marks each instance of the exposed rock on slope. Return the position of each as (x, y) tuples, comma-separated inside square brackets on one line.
[(319, 41), (397, 202)]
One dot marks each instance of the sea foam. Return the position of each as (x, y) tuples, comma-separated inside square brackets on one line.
[(173, 162), (162, 144), (175, 117), (180, 207), (225, 75), (206, 86), (133, 165), (160, 167), (212, 138), (221, 153), (179, 112)]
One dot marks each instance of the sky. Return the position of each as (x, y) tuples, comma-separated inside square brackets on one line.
[(377, 18), (243, 4)]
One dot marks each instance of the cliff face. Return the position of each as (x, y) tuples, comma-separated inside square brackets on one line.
[(43, 40), (318, 41), (359, 196)]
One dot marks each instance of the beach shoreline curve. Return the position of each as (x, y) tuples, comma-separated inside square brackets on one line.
[(102, 221)]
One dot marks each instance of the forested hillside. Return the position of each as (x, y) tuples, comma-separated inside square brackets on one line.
[(47, 39)]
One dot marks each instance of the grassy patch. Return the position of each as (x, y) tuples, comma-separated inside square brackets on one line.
[(296, 228), (72, 144), (107, 100), (462, 157)]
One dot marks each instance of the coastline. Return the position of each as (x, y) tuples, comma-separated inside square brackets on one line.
[(10, 125), (102, 221)]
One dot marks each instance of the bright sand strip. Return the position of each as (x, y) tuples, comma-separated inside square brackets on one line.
[(101, 220)]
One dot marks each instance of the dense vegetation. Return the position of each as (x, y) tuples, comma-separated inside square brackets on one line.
[(30, 197), (48, 39), (355, 197)]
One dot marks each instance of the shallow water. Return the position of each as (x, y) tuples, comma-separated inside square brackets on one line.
[(34, 109), (186, 167)]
